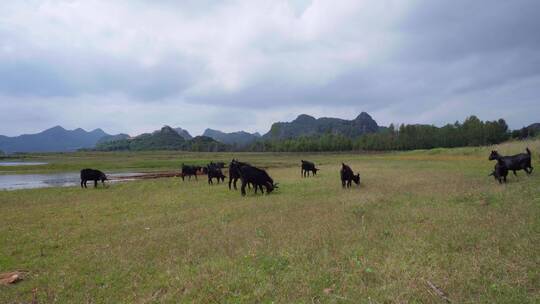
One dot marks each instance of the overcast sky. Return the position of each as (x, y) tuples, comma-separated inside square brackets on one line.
[(134, 66)]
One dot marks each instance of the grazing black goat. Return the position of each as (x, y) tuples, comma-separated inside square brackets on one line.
[(92, 175), (521, 161), (234, 172), (307, 167), (257, 177), (214, 171), (347, 176), (190, 171), (500, 172)]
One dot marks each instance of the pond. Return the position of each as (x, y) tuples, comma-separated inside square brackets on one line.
[(18, 163), (33, 181)]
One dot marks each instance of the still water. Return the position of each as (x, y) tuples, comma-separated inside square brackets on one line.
[(33, 181), (13, 164)]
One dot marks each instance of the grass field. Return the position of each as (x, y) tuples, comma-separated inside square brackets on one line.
[(418, 217)]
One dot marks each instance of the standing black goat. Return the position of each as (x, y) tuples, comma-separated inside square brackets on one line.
[(347, 176), (307, 167), (521, 161), (214, 171), (234, 172)]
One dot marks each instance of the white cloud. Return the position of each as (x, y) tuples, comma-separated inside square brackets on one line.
[(254, 62)]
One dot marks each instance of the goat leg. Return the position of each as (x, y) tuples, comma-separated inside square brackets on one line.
[(243, 188)]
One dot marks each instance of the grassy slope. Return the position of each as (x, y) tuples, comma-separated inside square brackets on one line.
[(421, 215)]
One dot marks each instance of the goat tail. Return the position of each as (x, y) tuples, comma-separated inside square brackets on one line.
[(528, 151)]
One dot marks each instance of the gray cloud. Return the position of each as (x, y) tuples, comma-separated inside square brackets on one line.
[(453, 30), (60, 75), (243, 64)]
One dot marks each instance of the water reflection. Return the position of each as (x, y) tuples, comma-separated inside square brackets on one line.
[(13, 164), (33, 181)]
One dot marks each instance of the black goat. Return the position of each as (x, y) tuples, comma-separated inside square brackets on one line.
[(500, 172), (214, 171), (521, 161), (257, 177), (307, 167), (190, 171), (234, 172), (347, 176), (93, 175)]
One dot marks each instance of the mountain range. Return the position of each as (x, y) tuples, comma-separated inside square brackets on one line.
[(56, 139)]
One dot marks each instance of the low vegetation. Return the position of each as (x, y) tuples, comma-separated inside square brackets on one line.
[(423, 225)]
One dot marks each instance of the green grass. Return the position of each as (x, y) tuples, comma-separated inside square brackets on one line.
[(421, 215)]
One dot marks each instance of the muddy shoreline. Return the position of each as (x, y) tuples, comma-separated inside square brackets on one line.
[(35, 181)]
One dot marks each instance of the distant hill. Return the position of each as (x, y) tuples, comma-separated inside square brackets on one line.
[(165, 139), (109, 138), (535, 127), (531, 130), (305, 125), (56, 139), (238, 139), (184, 133), (206, 144)]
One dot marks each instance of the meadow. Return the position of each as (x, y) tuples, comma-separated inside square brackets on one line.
[(418, 218)]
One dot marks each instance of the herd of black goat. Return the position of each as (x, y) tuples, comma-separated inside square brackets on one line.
[(249, 175), (258, 179)]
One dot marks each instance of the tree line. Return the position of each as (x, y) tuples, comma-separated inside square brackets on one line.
[(472, 132)]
